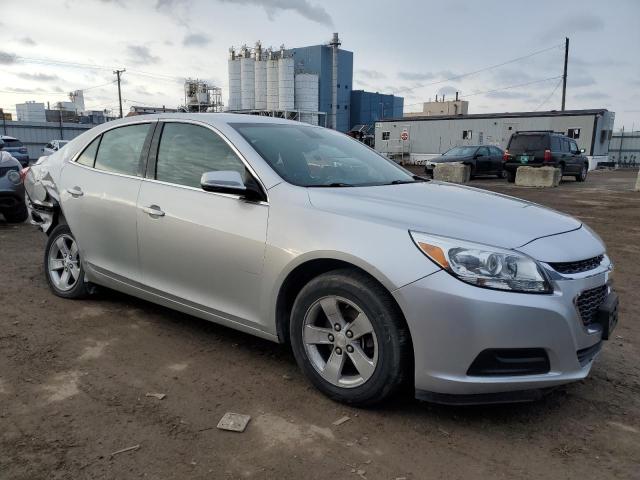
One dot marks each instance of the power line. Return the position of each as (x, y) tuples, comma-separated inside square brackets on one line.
[(550, 95), (463, 75), (509, 87)]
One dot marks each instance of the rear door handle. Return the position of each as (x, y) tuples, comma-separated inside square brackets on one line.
[(153, 211), (75, 192)]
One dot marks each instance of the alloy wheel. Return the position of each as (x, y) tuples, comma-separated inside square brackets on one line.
[(64, 263), (340, 341)]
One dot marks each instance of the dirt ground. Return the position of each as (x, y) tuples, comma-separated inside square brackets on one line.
[(74, 374)]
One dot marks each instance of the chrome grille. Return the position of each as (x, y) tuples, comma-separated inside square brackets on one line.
[(589, 301), (579, 266)]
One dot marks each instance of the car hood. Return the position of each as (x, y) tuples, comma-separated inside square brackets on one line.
[(449, 210)]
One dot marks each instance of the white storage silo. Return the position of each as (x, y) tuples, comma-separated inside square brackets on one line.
[(272, 84), (247, 81), (235, 102), (261, 84), (285, 84), (306, 97)]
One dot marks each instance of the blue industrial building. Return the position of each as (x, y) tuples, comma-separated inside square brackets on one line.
[(369, 107), (318, 59)]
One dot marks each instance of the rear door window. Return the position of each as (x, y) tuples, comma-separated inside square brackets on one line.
[(121, 149), (555, 144), (483, 151), (565, 145), (88, 157)]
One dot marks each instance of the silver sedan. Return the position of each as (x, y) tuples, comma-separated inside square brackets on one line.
[(299, 234)]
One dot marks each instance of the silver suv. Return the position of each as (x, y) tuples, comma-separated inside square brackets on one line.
[(300, 234)]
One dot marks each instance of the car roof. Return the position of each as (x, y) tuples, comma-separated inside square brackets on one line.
[(210, 118)]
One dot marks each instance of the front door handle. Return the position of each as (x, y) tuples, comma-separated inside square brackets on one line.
[(75, 192), (153, 211)]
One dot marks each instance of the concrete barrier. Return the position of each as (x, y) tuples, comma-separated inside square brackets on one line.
[(452, 172), (638, 182), (542, 177)]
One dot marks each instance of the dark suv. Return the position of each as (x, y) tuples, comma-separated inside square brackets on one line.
[(542, 149)]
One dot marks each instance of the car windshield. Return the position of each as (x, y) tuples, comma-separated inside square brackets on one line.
[(520, 143), (12, 143), (460, 152), (311, 156)]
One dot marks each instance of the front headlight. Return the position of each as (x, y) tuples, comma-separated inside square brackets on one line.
[(483, 265), (14, 177)]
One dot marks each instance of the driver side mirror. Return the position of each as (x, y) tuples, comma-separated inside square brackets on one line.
[(230, 181)]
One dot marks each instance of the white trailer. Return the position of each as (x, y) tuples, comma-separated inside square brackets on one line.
[(427, 137)]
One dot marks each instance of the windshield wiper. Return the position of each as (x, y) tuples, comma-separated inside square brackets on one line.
[(335, 184), (416, 178)]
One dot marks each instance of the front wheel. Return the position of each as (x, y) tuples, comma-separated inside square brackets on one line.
[(582, 176), (63, 265), (349, 338)]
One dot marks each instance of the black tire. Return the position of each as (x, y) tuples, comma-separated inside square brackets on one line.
[(561, 167), (81, 287), (511, 176), (393, 366), (17, 216), (502, 174), (582, 176)]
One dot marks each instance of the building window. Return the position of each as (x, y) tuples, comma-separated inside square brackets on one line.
[(467, 134), (345, 107), (338, 85), (346, 87), (386, 135), (573, 133)]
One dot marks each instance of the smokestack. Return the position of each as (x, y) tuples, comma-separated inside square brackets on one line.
[(443, 97), (335, 44), (456, 96)]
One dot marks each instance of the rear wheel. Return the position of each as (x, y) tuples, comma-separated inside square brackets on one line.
[(349, 338), (63, 265), (582, 176), (17, 216), (511, 176)]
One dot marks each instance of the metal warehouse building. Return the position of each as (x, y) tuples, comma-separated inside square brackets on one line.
[(425, 137), (369, 107)]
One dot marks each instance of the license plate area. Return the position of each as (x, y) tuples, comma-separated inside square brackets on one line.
[(525, 158)]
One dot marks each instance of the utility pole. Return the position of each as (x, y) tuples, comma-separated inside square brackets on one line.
[(564, 75), (118, 72)]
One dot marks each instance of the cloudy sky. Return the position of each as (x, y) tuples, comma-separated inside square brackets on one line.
[(416, 49)]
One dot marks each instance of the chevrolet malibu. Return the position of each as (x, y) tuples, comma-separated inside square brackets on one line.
[(300, 234)]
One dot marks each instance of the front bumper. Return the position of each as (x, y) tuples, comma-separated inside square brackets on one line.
[(451, 322)]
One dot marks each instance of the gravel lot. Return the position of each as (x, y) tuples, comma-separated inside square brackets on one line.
[(74, 374)]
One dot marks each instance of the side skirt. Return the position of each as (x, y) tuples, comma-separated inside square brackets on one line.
[(100, 277)]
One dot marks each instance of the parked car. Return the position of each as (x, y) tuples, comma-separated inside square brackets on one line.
[(12, 203), (300, 234), (542, 149), (17, 150), (53, 146), (483, 159)]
